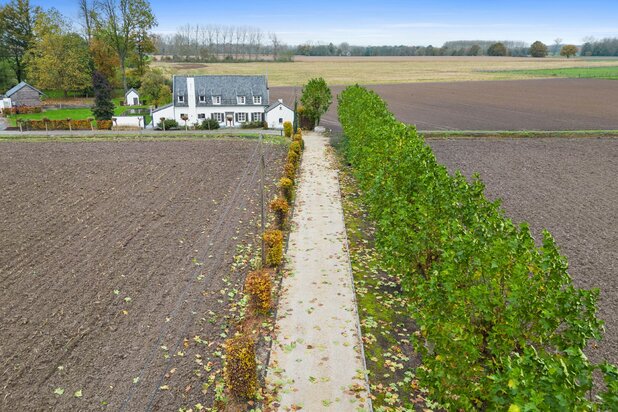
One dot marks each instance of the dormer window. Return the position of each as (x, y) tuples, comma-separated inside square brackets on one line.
[(257, 99), (202, 99), (241, 99), (181, 98), (216, 99)]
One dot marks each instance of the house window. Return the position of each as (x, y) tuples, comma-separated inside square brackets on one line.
[(218, 117), (241, 99), (281, 120), (202, 99), (257, 99), (201, 115), (256, 117), (241, 117), (181, 98), (216, 99)]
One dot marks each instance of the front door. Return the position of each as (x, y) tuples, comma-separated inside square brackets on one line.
[(135, 101), (229, 119)]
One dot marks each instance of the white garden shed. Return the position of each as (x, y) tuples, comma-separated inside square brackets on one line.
[(277, 114), (131, 98)]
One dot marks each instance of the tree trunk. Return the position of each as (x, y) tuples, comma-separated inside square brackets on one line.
[(124, 74)]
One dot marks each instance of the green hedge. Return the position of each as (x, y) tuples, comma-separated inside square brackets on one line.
[(501, 325)]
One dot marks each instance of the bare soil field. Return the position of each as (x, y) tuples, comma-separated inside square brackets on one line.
[(384, 70), (542, 104), (567, 186), (115, 269)]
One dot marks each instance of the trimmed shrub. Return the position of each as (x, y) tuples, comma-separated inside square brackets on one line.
[(167, 124), (240, 371), (81, 125), (294, 158), (258, 286), (252, 125), (274, 243), (280, 208), (299, 138), (290, 171), (287, 129), (208, 124), (23, 110), (296, 147), (286, 186), (104, 125)]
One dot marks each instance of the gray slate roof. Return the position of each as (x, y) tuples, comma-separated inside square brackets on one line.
[(228, 87), (275, 104), (20, 86)]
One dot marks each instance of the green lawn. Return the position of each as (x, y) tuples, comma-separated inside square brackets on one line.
[(609, 72), (74, 114)]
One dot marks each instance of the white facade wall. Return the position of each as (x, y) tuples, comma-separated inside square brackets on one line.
[(5, 103), (128, 121), (279, 115), (194, 114), (167, 112), (129, 98)]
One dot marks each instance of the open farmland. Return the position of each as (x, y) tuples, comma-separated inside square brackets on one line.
[(547, 104), (385, 70), (567, 186), (115, 268)]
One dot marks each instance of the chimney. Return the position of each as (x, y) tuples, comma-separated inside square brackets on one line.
[(280, 100)]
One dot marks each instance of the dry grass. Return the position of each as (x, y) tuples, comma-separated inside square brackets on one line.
[(385, 70)]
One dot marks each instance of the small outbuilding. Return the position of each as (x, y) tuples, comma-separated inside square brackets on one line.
[(131, 98), (22, 95), (277, 114)]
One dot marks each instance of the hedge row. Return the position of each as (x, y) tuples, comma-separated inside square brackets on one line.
[(22, 110), (67, 124), (501, 325), (240, 370)]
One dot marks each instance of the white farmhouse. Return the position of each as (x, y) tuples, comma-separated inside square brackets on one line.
[(231, 100), (131, 98), (277, 114)]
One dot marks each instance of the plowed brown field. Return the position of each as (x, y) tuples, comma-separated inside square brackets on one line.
[(546, 104), (111, 255)]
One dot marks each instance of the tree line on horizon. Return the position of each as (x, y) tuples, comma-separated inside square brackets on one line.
[(591, 47), (116, 38)]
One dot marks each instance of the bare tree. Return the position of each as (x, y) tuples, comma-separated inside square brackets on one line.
[(88, 17), (557, 45), (276, 44), (124, 19)]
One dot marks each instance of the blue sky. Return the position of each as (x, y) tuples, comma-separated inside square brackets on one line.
[(365, 22)]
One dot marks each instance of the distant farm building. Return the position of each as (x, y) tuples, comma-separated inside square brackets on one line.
[(22, 95)]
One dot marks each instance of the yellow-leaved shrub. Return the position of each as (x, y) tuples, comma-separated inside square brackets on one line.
[(240, 371), (274, 243), (258, 286)]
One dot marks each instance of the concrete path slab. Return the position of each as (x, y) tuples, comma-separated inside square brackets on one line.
[(318, 353)]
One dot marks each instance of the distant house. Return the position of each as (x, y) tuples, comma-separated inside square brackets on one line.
[(277, 114), (22, 95), (131, 98), (230, 100)]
